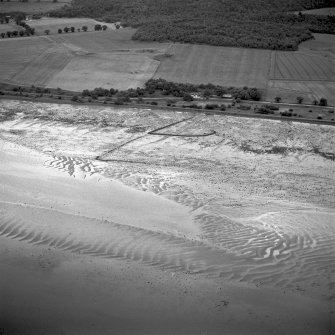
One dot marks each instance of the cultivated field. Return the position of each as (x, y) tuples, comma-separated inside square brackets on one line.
[(80, 60), (218, 65), (309, 72), (300, 66), (31, 7)]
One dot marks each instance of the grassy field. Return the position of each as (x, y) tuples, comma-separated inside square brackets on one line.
[(322, 44), (320, 11), (9, 27), (218, 65), (117, 70), (31, 7), (77, 61), (53, 24), (309, 91), (16, 55)]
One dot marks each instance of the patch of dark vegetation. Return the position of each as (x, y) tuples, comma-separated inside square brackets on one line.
[(282, 150), (327, 155), (245, 23), (168, 88), (17, 132), (136, 129), (7, 115), (19, 19), (207, 90), (276, 149)]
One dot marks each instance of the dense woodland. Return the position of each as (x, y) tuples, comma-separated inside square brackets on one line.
[(249, 23)]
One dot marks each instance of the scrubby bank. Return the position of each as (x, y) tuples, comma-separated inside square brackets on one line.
[(264, 24)]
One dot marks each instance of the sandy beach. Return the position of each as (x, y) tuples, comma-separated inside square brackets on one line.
[(229, 234)]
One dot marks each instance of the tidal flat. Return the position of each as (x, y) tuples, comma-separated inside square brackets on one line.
[(213, 223)]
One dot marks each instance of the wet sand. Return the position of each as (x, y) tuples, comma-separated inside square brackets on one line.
[(82, 253)]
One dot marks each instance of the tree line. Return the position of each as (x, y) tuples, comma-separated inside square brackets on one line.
[(247, 23), (181, 90)]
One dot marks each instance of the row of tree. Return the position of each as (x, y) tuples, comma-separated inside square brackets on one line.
[(97, 27), (181, 90)]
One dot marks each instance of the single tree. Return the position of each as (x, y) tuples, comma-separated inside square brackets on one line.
[(60, 31), (46, 31), (277, 99), (73, 29), (207, 93), (66, 30), (9, 33), (187, 97), (323, 102), (300, 100), (84, 28), (3, 35), (104, 27)]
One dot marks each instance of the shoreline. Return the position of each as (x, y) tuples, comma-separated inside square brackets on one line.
[(176, 109)]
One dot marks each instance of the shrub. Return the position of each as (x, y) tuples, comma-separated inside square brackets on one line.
[(75, 98), (319, 117), (323, 102), (187, 97), (300, 100), (286, 113)]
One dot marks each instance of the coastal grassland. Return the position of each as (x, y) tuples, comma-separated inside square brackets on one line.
[(218, 65), (32, 6)]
